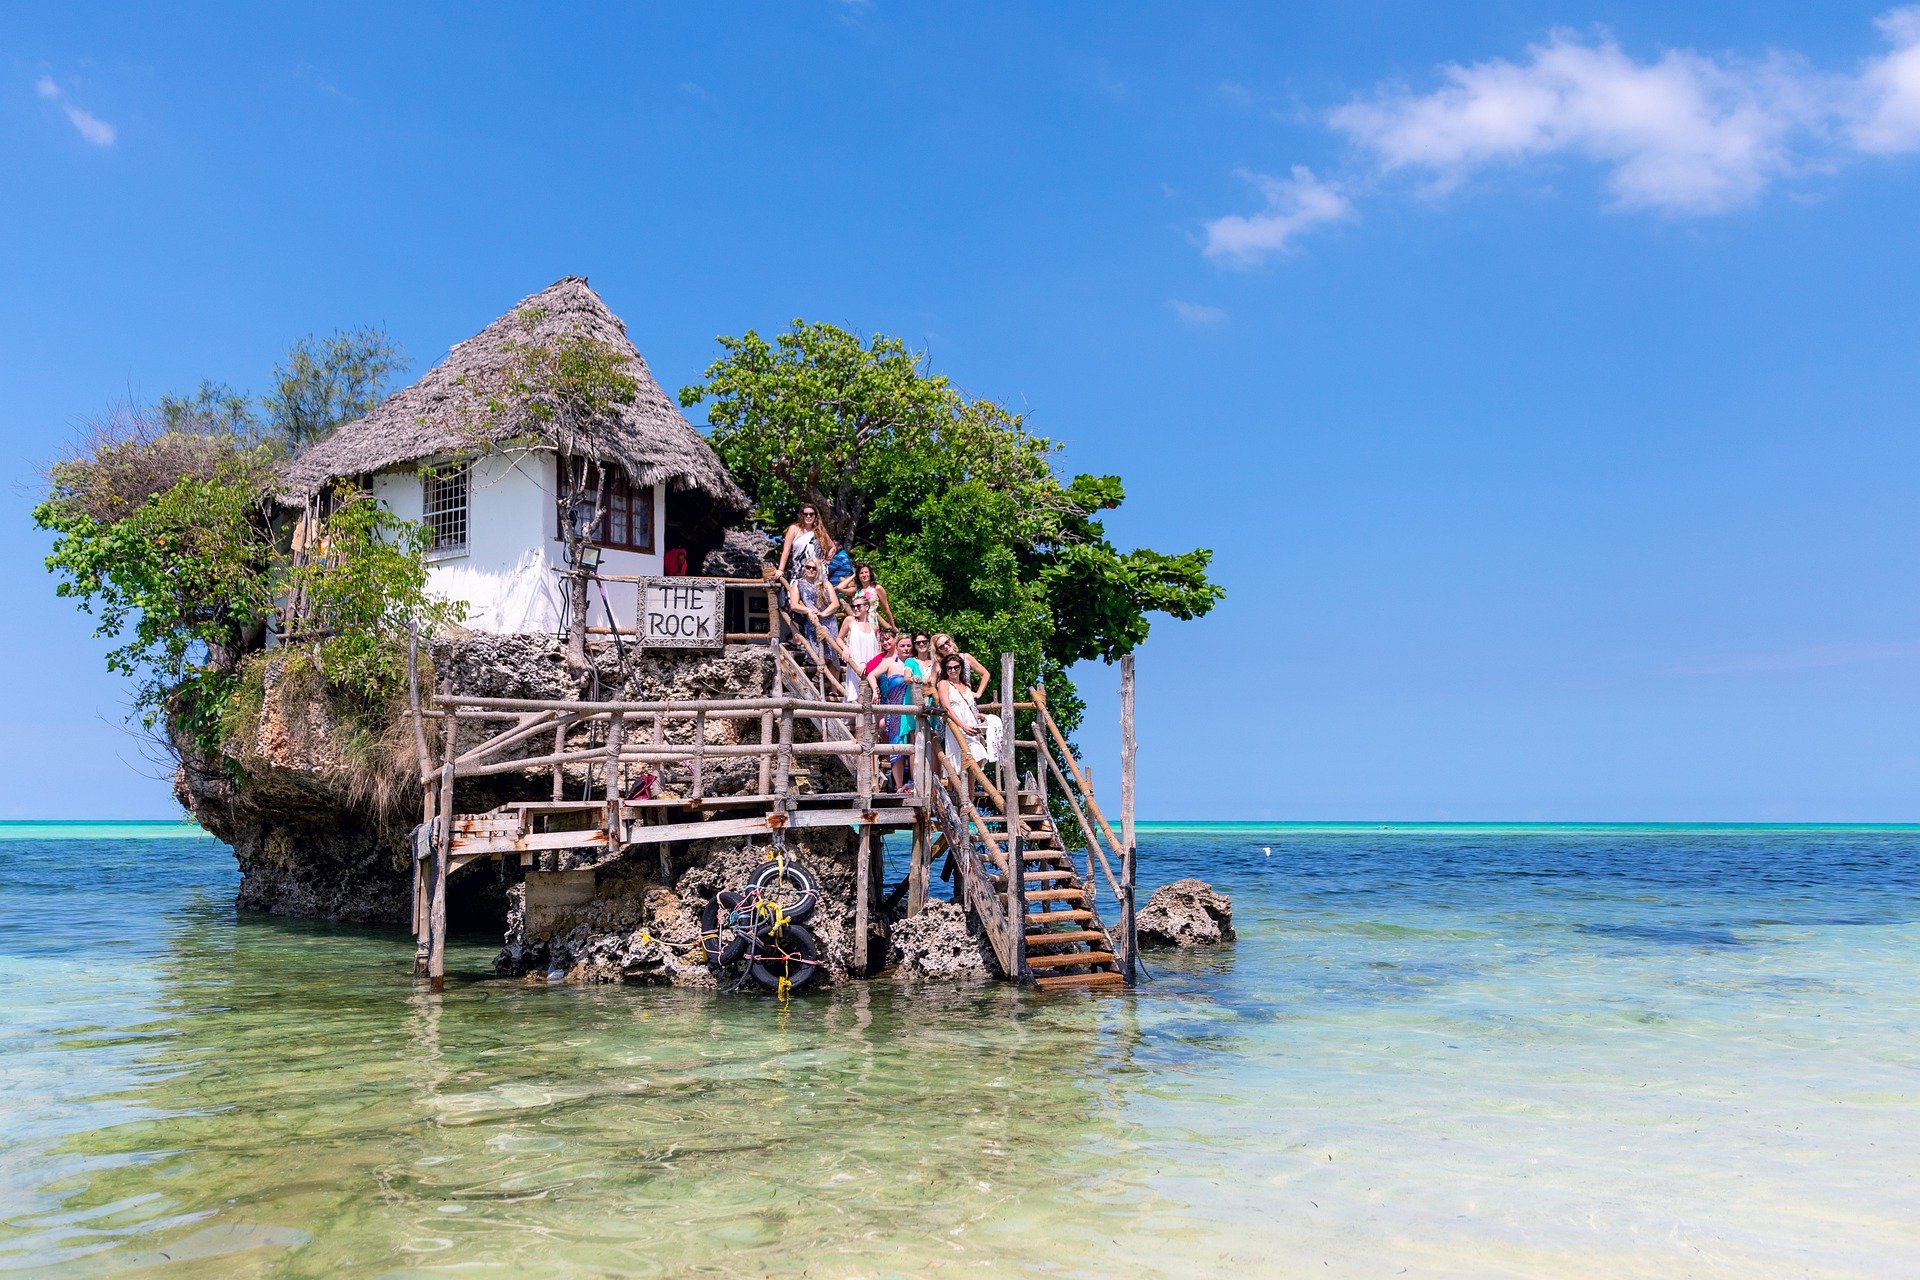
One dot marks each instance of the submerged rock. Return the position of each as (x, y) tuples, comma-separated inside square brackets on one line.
[(1186, 913), (629, 926), (942, 945)]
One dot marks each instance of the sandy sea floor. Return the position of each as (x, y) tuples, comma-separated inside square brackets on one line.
[(1433, 1052)]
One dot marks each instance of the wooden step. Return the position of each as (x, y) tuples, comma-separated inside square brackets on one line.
[(1081, 980), (1056, 895), (1048, 875), (1068, 959), (1048, 917), (1046, 938)]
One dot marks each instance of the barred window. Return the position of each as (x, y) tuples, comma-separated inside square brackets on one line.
[(628, 524), (445, 509)]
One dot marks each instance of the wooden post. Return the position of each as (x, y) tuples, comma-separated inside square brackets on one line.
[(863, 877), (1016, 852), (766, 753), (616, 731), (442, 855), (699, 755), (559, 748), (1131, 942), (773, 637), (918, 866), (865, 763), (783, 762)]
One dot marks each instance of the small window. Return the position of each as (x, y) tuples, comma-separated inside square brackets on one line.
[(445, 510), (628, 524)]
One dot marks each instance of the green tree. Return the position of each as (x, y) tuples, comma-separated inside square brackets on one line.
[(181, 577), (364, 596), (955, 502), (327, 381)]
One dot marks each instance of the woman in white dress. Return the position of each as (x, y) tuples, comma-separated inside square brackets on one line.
[(966, 727), (862, 642)]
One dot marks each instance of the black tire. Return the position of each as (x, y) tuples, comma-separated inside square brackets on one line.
[(721, 953), (792, 954), (791, 885)]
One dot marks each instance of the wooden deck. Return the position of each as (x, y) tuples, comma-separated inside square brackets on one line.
[(797, 758)]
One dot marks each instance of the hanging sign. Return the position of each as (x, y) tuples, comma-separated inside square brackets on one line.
[(682, 613)]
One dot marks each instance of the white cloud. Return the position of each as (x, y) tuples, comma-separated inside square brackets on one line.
[(1680, 132), (1683, 132), (1196, 313), (1295, 205), (1887, 108), (91, 127)]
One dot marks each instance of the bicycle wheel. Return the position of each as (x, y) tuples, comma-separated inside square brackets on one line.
[(791, 953), (789, 884)]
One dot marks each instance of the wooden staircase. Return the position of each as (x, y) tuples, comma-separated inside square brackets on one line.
[(1066, 943), (1052, 936), (1061, 941)]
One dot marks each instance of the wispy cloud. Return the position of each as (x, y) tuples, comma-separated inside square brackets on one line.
[(91, 127), (1681, 132), (1296, 204), (1196, 313)]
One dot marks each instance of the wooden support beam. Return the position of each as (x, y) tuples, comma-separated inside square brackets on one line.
[(919, 864), (1010, 809), (442, 852), (863, 887), (1128, 938), (766, 758)]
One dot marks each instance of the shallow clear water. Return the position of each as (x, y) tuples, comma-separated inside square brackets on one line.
[(1491, 1051)]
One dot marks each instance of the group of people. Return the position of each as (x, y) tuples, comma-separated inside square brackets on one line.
[(822, 581)]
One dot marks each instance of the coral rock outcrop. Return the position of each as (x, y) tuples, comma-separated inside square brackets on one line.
[(1186, 913)]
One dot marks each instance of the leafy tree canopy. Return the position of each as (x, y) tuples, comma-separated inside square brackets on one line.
[(953, 500), (164, 530), (327, 381)]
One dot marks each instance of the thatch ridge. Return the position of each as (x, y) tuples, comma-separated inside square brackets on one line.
[(445, 412)]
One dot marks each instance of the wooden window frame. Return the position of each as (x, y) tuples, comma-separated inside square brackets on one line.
[(621, 490)]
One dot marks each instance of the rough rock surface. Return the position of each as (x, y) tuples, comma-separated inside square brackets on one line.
[(639, 929), (942, 945), (1186, 913), (741, 554), (307, 848)]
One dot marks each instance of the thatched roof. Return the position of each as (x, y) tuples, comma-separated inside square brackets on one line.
[(447, 410)]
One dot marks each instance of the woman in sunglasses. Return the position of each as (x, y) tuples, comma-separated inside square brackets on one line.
[(807, 541)]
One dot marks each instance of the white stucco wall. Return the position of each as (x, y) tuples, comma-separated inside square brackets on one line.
[(505, 574)]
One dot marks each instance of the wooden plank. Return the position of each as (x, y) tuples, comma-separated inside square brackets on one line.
[(760, 824), (1071, 959), (532, 842), (1060, 980)]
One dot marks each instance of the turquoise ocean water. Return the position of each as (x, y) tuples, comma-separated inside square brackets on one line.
[(1435, 1051)]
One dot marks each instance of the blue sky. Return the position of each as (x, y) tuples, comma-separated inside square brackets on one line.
[(1544, 377)]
